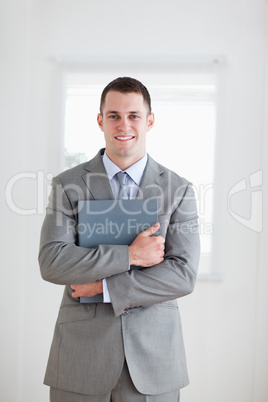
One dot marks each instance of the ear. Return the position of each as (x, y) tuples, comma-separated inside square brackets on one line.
[(150, 122), (100, 121)]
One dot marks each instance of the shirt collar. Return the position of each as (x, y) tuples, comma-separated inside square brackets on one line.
[(135, 171)]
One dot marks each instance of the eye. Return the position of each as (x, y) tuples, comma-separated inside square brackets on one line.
[(134, 116), (113, 116)]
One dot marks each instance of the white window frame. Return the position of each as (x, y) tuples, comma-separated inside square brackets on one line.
[(187, 74)]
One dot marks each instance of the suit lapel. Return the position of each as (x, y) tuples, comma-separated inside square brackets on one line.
[(98, 183), (96, 179), (152, 181)]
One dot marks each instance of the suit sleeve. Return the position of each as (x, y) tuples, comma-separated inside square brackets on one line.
[(175, 276), (61, 260)]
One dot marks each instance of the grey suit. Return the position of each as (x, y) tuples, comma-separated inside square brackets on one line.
[(142, 324)]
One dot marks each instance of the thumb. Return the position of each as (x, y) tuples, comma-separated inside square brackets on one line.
[(151, 230)]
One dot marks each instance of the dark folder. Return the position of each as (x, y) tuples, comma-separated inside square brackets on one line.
[(113, 222)]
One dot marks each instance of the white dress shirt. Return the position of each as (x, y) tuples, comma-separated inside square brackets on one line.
[(135, 173)]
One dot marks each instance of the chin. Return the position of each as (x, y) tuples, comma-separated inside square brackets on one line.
[(124, 153)]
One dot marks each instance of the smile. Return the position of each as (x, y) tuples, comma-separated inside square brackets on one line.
[(125, 138)]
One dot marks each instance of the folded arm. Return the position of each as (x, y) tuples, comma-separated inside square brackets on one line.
[(61, 260), (145, 251), (172, 278)]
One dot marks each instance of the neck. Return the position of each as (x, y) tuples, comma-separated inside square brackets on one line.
[(124, 162)]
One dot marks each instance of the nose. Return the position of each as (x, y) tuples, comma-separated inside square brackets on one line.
[(123, 124)]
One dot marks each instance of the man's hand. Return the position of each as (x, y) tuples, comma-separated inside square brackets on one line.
[(87, 290), (147, 250)]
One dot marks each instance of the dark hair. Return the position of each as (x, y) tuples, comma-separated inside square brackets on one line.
[(126, 85)]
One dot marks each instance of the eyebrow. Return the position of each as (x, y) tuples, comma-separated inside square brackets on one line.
[(116, 112)]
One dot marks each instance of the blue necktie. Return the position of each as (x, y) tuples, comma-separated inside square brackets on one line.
[(122, 178)]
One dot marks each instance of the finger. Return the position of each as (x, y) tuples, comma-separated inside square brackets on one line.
[(151, 230), (159, 239), (76, 287)]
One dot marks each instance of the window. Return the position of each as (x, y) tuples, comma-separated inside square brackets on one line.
[(183, 138)]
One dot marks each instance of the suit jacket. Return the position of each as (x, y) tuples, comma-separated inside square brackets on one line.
[(142, 324)]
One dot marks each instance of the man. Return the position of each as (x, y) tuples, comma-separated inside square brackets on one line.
[(130, 347)]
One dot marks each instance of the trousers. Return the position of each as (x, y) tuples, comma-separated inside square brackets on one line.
[(124, 391)]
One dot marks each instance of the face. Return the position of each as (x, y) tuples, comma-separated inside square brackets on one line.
[(125, 122)]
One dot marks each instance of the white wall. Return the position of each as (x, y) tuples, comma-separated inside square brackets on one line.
[(225, 323)]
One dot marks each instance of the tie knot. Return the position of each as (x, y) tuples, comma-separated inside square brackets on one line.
[(122, 178)]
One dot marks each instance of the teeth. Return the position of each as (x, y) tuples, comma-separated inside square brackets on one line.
[(123, 138)]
